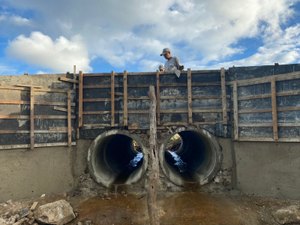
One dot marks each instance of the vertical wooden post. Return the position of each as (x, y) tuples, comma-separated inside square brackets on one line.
[(224, 96), (158, 97), (274, 109), (154, 163), (189, 89), (112, 94), (31, 117), (235, 111), (80, 102), (74, 76), (125, 99), (69, 119)]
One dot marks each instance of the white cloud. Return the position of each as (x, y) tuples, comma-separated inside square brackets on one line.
[(15, 20), (58, 55), (283, 49), (134, 31)]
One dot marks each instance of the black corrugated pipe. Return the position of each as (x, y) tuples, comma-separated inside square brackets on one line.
[(117, 157), (190, 156)]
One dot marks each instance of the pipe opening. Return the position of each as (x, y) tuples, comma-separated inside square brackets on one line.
[(190, 156), (116, 157)]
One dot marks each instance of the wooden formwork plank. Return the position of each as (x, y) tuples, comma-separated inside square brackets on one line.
[(265, 139), (189, 88), (262, 80), (32, 118), (27, 89), (80, 100), (284, 124), (80, 104), (235, 111), (40, 117), (158, 97), (21, 102), (35, 131), (63, 109), (74, 77), (96, 99), (224, 97), (125, 99), (3, 147), (274, 109), (69, 80), (69, 119), (112, 97)]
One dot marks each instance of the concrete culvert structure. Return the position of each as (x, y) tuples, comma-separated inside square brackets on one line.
[(190, 156), (117, 157)]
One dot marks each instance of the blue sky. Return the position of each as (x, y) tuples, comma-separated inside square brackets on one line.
[(100, 36)]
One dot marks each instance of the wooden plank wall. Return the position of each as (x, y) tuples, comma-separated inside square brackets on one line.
[(197, 98), (34, 117), (267, 108), (244, 103)]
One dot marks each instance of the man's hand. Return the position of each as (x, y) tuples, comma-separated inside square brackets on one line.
[(181, 67)]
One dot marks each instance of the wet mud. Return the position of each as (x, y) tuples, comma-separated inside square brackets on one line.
[(190, 208)]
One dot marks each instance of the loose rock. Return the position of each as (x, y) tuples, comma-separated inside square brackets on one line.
[(59, 212), (288, 215)]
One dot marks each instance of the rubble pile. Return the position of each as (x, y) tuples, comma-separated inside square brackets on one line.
[(57, 213)]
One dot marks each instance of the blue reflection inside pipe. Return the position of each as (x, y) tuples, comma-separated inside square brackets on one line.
[(178, 161), (135, 161)]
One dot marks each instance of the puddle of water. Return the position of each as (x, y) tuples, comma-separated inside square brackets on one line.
[(117, 210), (174, 209)]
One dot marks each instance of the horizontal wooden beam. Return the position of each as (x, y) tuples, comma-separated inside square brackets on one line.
[(266, 139), (97, 126), (61, 109), (279, 94), (36, 90), (262, 80), (28, 86), (26, 117), (68, 80), (37, 145), (279, 109), (194, 84), (270, 124), (35, 131), (197, 72), (20, 102)]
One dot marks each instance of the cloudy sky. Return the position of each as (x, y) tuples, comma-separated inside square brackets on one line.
[(39, 36)]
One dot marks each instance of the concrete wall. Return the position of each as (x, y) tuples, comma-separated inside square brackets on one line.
[(25, 173), (31, 173), (265, 169), (268, 169)]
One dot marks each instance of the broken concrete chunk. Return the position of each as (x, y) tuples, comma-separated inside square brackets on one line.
[(288, 215), (59, 212)]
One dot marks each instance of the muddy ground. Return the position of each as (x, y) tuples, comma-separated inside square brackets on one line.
[(175, 208)]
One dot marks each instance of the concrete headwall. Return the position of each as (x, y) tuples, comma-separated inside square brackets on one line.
[(265, 169), (50, 170), (268, 169), (26, 173)]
